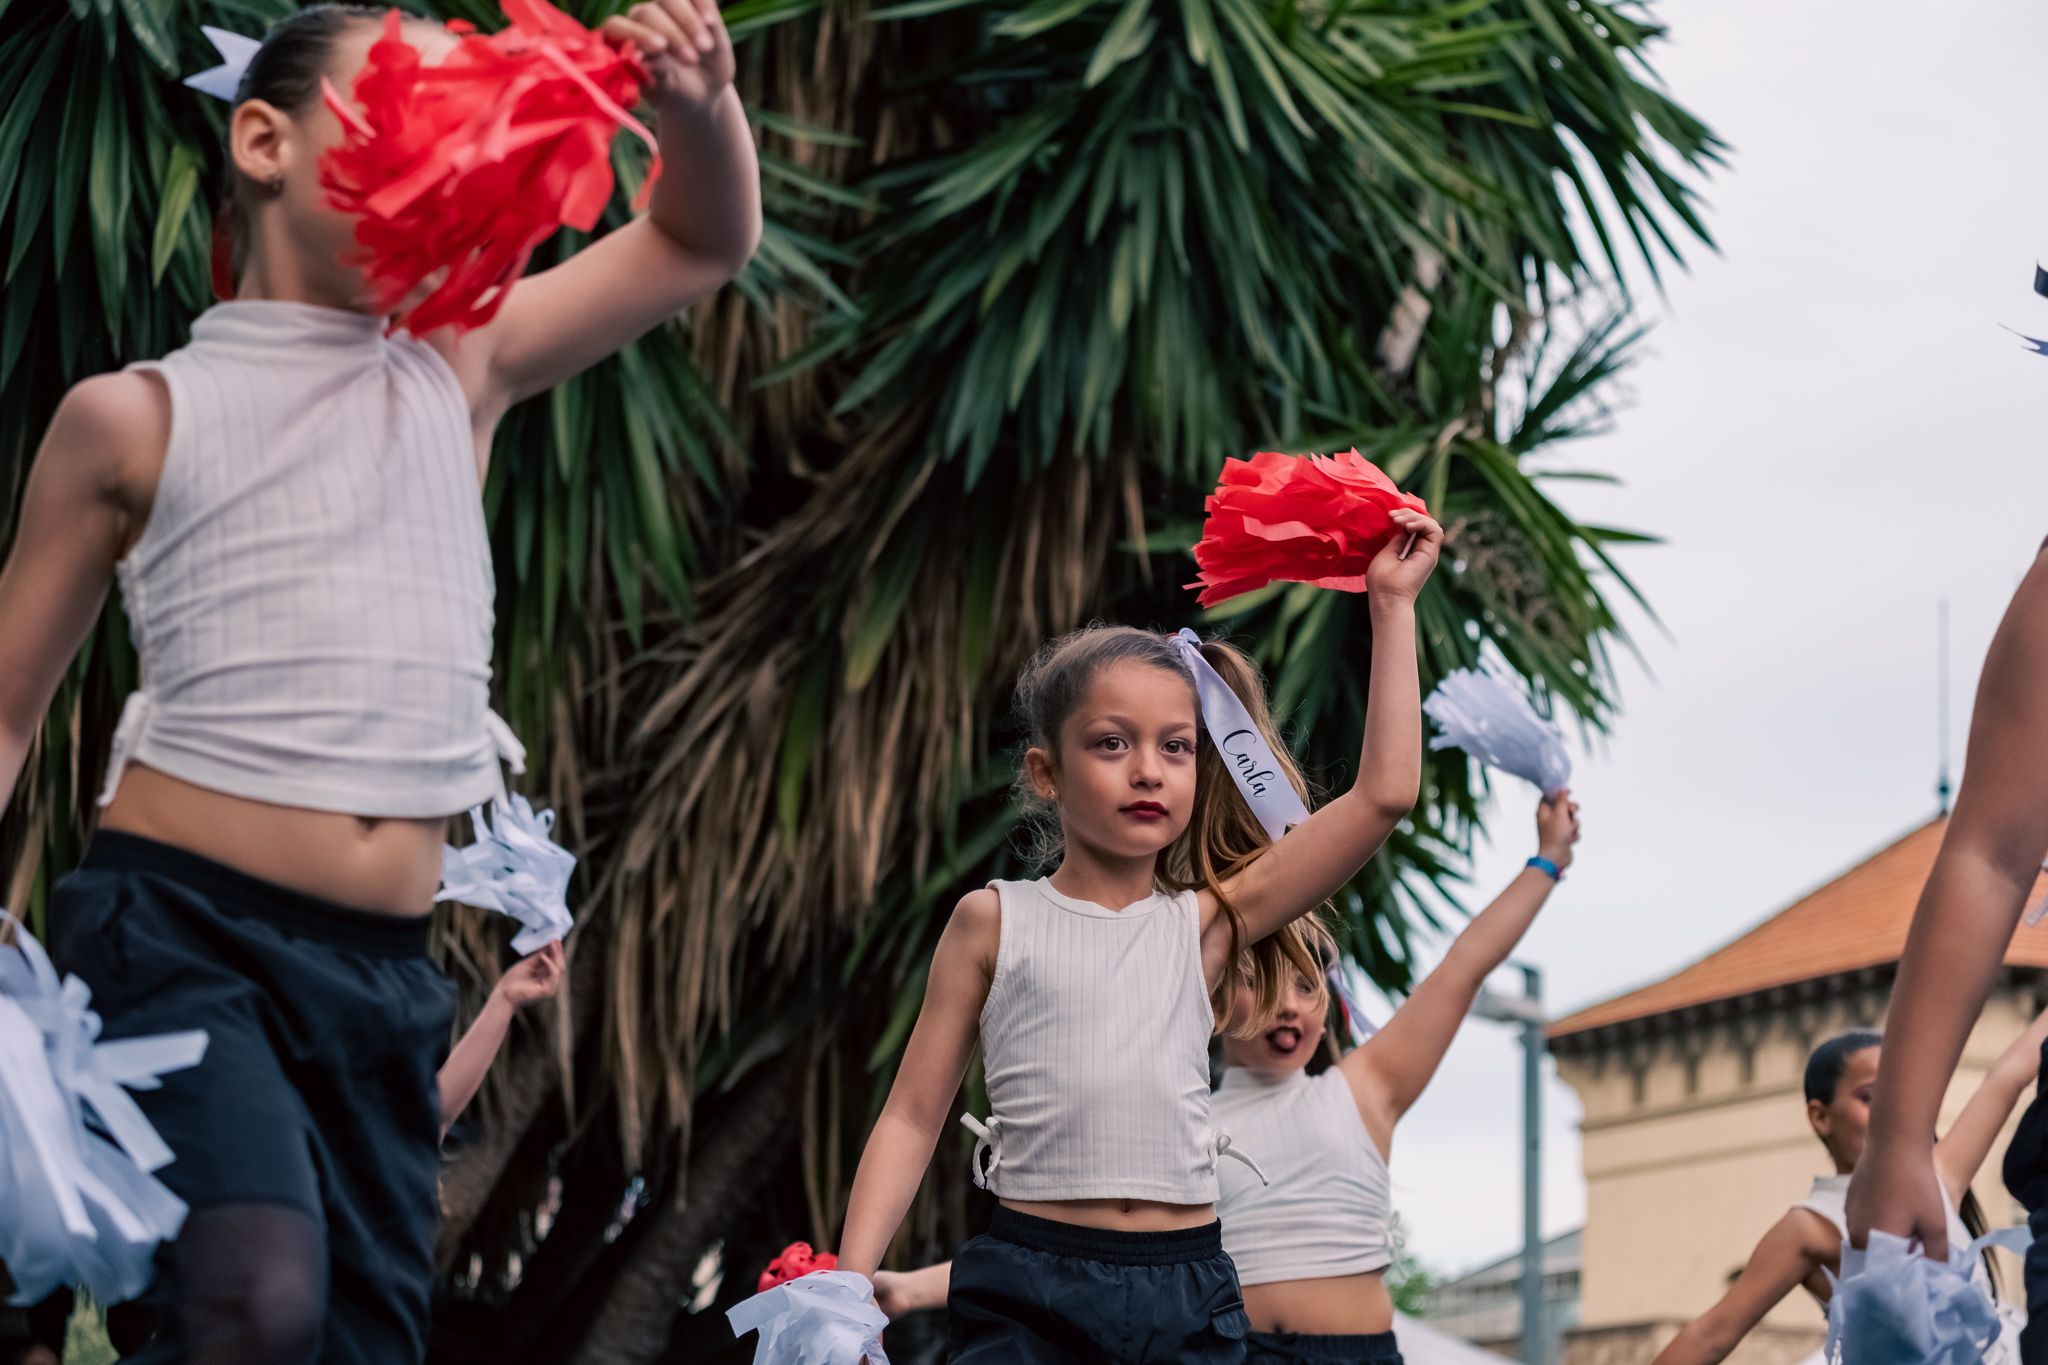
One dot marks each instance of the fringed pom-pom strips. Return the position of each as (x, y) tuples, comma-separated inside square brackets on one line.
[(1295, 518), (456, 171), (1490, 718), (1893, 1306), (515, 868), (827, 1317), (81, 1205)]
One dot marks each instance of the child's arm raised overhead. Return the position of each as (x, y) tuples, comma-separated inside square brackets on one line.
[(700, 228), (1326, 850), (79, 513), (920, 1103), (1797, 1245), (1966, 916), (1962, 1149), (1389, 1070)]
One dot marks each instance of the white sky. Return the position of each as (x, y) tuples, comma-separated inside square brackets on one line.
[(1832, 432)]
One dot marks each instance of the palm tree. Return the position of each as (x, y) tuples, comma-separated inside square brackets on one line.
[(1034, 268)]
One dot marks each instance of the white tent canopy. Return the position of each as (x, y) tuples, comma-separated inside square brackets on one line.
[(1422, 1344)]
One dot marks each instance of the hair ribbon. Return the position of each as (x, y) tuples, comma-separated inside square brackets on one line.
[(1252, 764), (224, 82)]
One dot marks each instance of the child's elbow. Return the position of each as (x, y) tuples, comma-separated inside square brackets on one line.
[(1391, 800)]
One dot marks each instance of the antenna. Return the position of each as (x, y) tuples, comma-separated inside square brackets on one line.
[(1941, 782)]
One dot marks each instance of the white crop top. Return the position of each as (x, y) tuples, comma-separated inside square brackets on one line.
[(1327, 1210), (312, 595), (1095, 1040)]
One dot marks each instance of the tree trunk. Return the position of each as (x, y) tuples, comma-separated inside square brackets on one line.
[(730, 1160)]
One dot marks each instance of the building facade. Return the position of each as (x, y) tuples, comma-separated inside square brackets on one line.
[(1694, 1138)]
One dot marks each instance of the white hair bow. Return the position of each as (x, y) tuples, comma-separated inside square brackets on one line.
[(224, 82)]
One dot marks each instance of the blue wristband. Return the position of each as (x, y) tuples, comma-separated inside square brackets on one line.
[(1547, 868)]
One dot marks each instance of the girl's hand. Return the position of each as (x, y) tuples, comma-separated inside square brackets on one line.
[(892, 1294), (1557, 828), (1900, 1193), (1395, 574), (535, 977), (685, 46)]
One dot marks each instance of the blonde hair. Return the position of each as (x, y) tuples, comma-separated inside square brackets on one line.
[(1222, 837)]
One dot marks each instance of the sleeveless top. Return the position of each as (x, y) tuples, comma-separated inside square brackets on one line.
[(1095, 1043), (312, 595), (1328, 1209), (1830, 1199)]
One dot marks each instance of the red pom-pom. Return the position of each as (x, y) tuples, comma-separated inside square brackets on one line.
[(797, 1259), (457, 171), (1300, 518)]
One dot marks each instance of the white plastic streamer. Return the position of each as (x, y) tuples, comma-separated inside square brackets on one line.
[(1490, 718), (515, 868), (82, 1205), (1251, 761), (1893, 1306), (827, 1317), (224, 82)]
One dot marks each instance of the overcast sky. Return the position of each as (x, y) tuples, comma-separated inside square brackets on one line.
[(1832, 433)]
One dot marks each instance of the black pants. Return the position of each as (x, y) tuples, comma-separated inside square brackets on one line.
[(2026, 1176), (1035, 1292), (1301, 1348), (325, 1028)]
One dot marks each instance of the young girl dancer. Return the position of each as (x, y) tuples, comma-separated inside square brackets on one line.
[(1093, 993), (1311, 1242), (1990, 856), (291, 503), (1805, 1246)]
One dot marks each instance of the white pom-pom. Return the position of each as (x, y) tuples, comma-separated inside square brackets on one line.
[(515, 868), (1490, 718), (827, 1317), (82, 1206), (1893, 1306)]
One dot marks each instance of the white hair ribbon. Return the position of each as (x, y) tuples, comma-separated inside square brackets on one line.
[(224, 82), (1258, 774)]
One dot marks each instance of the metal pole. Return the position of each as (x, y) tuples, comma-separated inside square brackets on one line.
[(1535, 1341)]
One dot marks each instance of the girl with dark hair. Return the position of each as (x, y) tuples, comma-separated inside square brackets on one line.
[(292, 505), (1094, 991), (1804, 1248)]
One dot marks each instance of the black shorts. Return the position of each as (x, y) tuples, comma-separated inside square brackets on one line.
[(325, 1029), (1280, 1348), (2026, 1177), (1032, 1291)]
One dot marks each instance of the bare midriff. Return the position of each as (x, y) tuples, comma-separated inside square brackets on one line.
[(1342, 1305), (1118, 1215), (387, 866)]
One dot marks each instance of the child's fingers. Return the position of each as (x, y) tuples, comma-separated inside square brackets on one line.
[(689, 22), (662, 19), (619, 29)]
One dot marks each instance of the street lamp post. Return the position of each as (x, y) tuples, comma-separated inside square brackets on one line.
[(1527, 1012)]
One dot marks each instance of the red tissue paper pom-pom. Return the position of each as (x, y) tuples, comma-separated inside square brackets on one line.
[(456, 171), (1300, 518), (796, 1260)]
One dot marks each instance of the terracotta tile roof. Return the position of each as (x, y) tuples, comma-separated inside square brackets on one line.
[(1857, 920)]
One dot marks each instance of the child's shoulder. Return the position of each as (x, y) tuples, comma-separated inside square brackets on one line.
[(120, 421)]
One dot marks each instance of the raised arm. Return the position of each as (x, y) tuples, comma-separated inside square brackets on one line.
[(533, 978), (80, 511), (1964, 1146), (920, 1103), (1390, 1069), (1326, 850), (701, 225), (1797, 1245), (1972, 901)]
